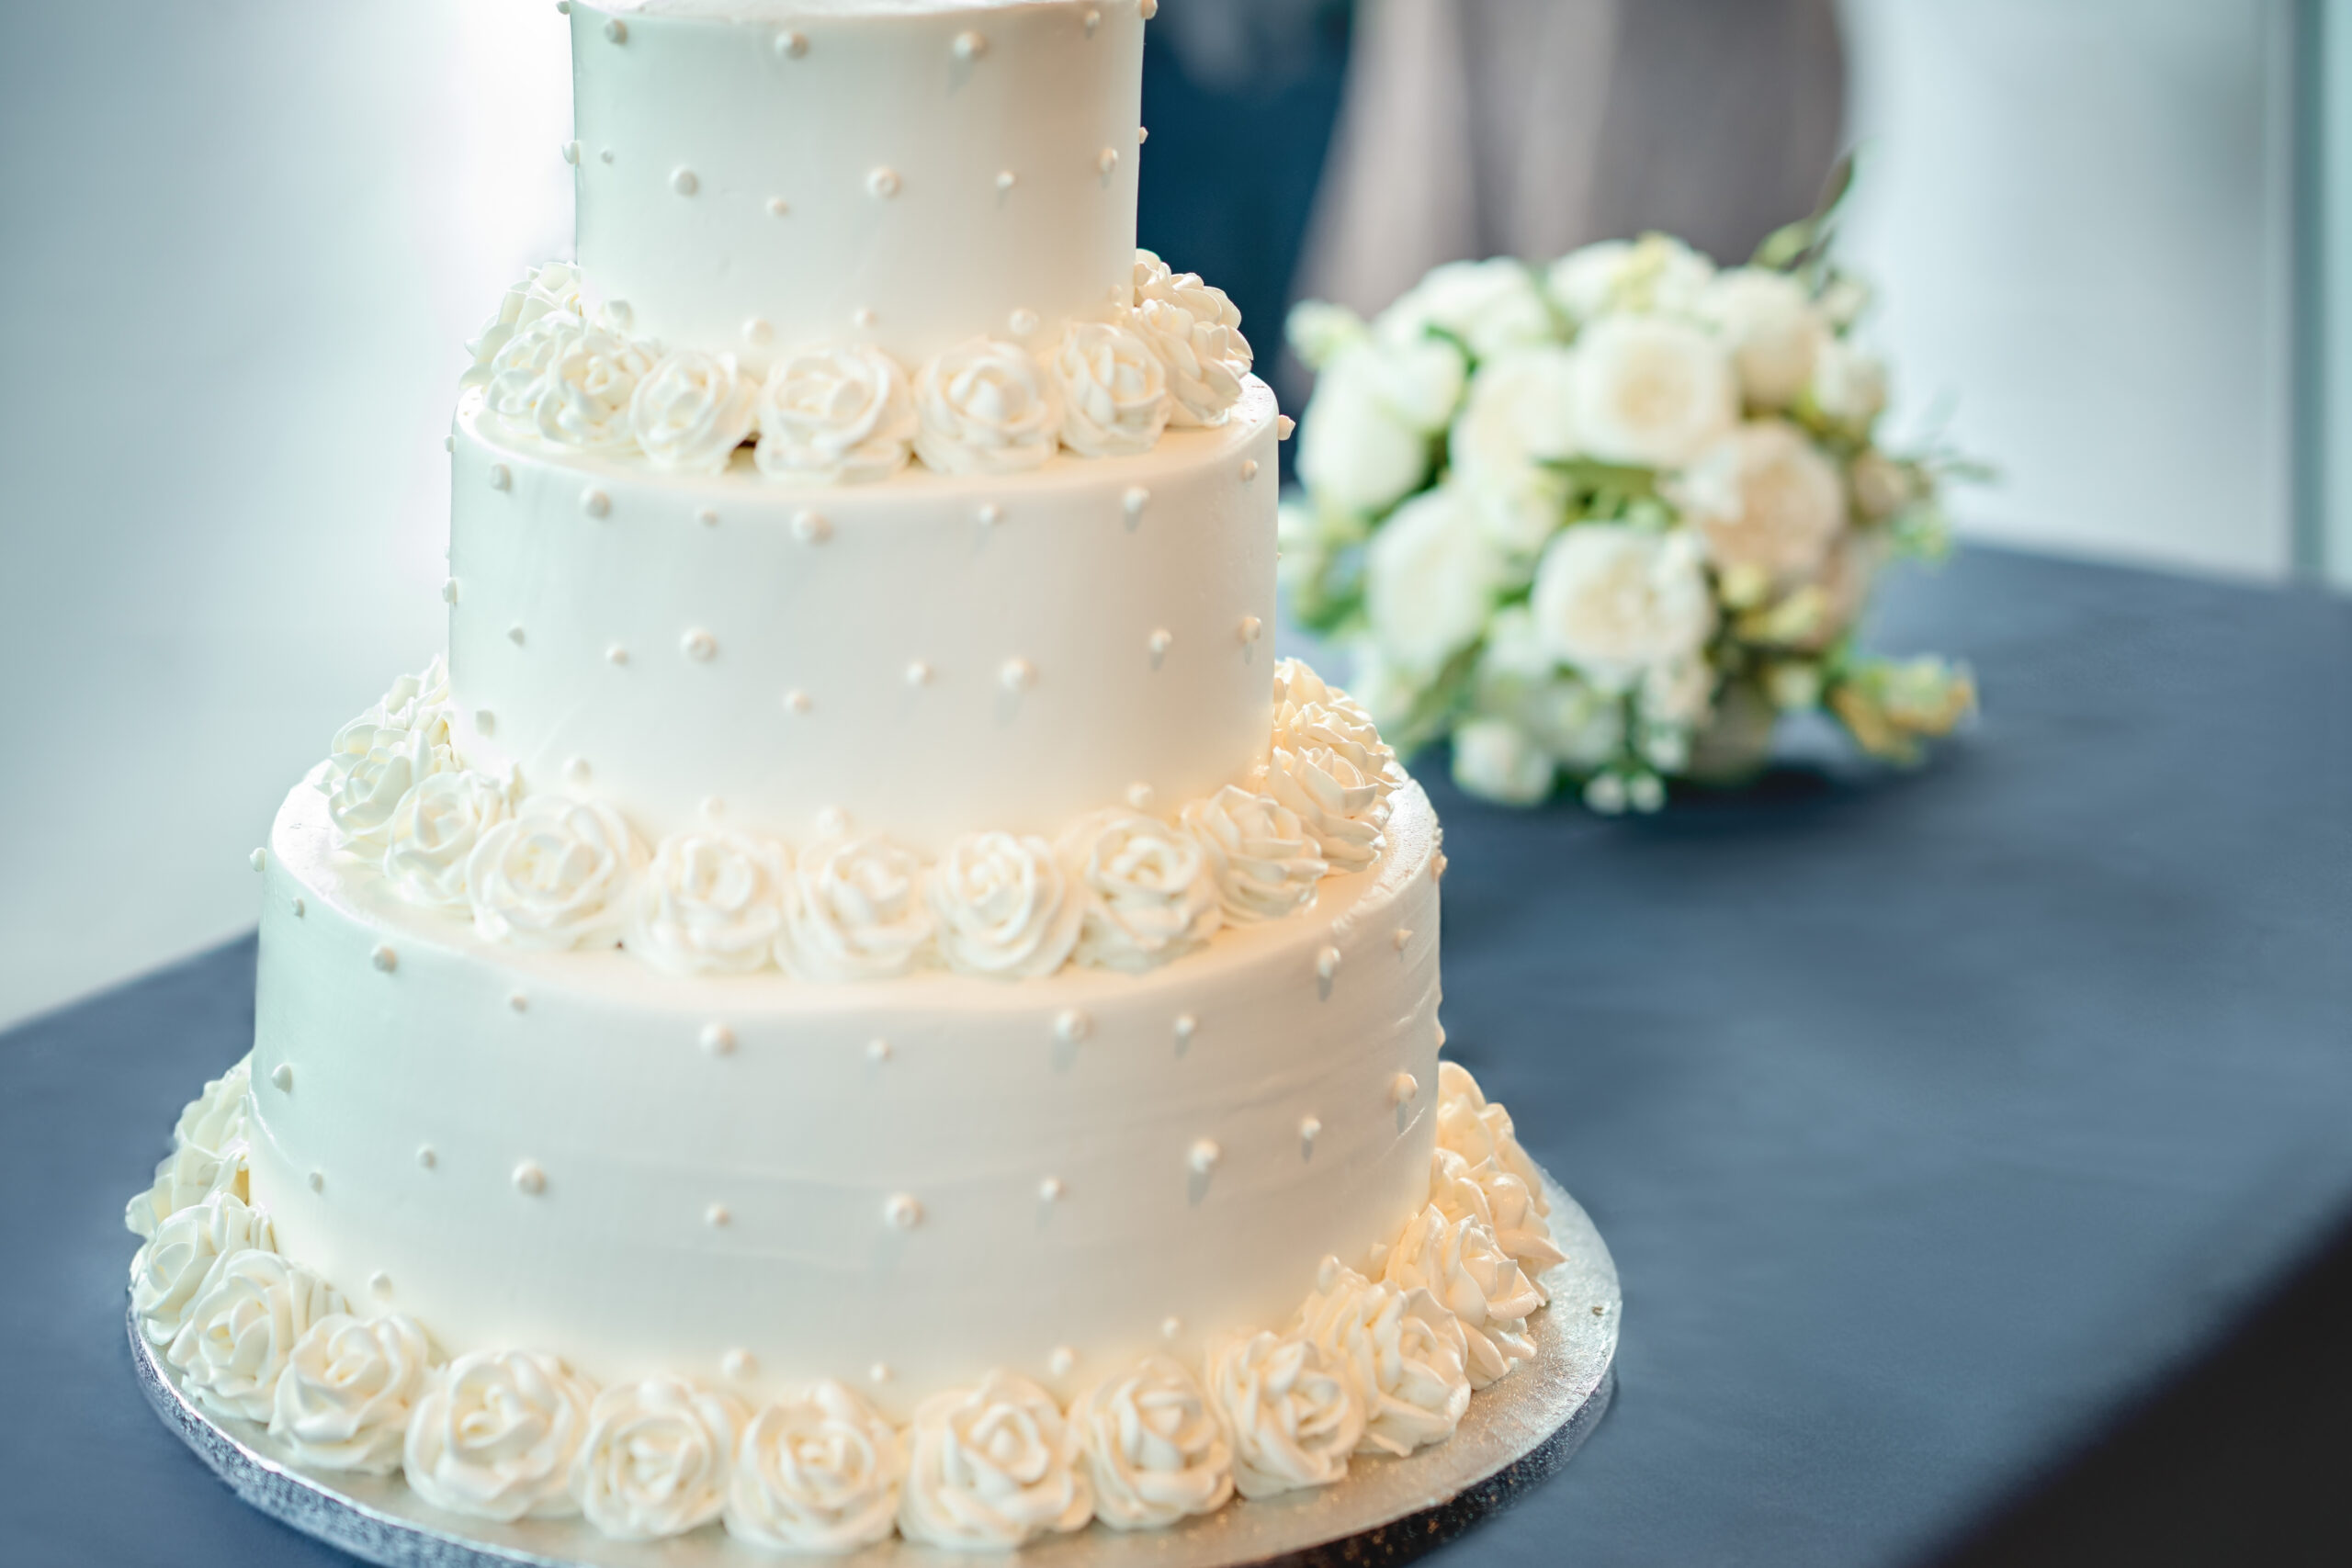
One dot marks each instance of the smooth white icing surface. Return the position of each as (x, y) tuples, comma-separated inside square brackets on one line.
[(700, 637), (647, 1175), (884, 143)]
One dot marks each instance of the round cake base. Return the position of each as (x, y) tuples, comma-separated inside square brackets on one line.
[(1387, 1509)]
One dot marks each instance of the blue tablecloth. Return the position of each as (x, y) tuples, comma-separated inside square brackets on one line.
[(1931, 1117)]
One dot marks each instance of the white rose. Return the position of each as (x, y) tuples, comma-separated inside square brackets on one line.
[(855, 911), (1195, 331), (1495, 760), (552, 289), (556, 875), (1366, 439), (418, 702), (1292, 1408), (1613, 601), (1515, 420), (691, 410), (655, 1457), (1848, 386), (1262, 858), (1478, 1130), (1005, 906), (1431, 578), (1500, 1201), (1329, 764), (1766, 501), (171, 1267), (1650, 392), (1654, 274), (1460, 1263), (1492, 306), (1154, 1450), (236, 1335), (1113, 390), (992, 1467), (344, 1399), (1771, 328), (1520, 679), (1150, 892), (840, 414), (711, 903), (1408, 1356), (186, 1177), (432, 832), (569, 383), (1679, 695), (818, 1472), (986, 408), (216, 1118), (1318, 331), (495, 1434)]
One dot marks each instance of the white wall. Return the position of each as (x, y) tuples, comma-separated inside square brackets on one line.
[(2079, 210), (243, 246)]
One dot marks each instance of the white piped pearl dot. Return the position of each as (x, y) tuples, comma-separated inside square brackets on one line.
[(863, 316), (594, 502), (878, 1050), (1437, 867), (1186, 1027), (1309, 1128), (1006, 179), (779, 208), (1071, 1026), (708, 517), (831, 822), (757, 331), (738, 1366), (1248, 469), (449, 590), (717, 1039), (792, 45), (811, 527), (384, 959), (485, 721), (1143, 134), (1052, 1190), (1018, 675), (698, 645), (515, 636), (425, 1158), (318, 1180), (684, 182), (717, 1216), (990, 513), (1250, 629), (616, 30), (1023, 323), (902, 1211), (299, 908), (1169, 1328), (878, 1372), (283, 1076), (380, 1282), (1107, 159), (1148, 9), (572, 154), (797, 701), (605, 156), (883, 183), (1141, 795), (1202, 1155), (519, 1002), (1404, 935), (970, 46), (1162, 641), (1326, 962), (1403, 1087), (501, 476), (617, 654), (1284, 426), (576, 769), (529, 1179), (258, 859), (919, 674), (1136, 500), (1062, 1362)]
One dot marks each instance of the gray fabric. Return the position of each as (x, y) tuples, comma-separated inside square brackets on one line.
[(1928, 1116)]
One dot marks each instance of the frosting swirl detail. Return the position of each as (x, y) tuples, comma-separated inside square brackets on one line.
[(691, 410), (237, 1333), (992, 1467), (655, 1458), (1265, 862), (711, 903), (494, 1436), (552, 289), (378, 758), (817, 1473), (1406, 1353), (184, 1177), (1460, 1263), (1113, 389), (855, 911), (1500, 1200), (1149, 892), (1292, 1409), (1330, 766), (1196, 333), (1478, 1130), (837, 414), (1154, 1447), (433, 833), (344, 1398), (554, 876), (1004, 905), (987, 408), (171, 1267), (216, 1118)]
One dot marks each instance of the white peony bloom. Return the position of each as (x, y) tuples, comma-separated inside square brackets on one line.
[(495, 1434), (1329, 765), (243, 1324), (838, 414), (433, 833), (1264, 861), (992, 1468), (216, 1118), (1155, 1451), (171, 1267), (344, 1399), (856, 910), (1431, 578), (1492, 306), (1005, 906), (1461, 1264), (1500, 1201), (556, 875), (1766, 501), (654, 1460), (1406, 1354), (1613, 601), (818, 1472), (1848, 386), (1515, 420), (1655, 275), (186, 1177), (552, 289), (1771, 328), (1366, 441), (692, 410), (1649, 391), (1520, 679), (1151, 892), (569, 382), (711, 903), (986, 408), (1495, 760), (1478, 1130), (1113, 390), (1292, 1408)]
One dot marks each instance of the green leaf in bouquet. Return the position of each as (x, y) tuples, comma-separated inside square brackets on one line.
[(1796, 247)]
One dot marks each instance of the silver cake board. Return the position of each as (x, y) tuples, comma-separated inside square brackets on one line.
[(1388, 1510)]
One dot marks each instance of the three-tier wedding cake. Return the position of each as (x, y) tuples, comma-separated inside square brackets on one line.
[(860, 996)]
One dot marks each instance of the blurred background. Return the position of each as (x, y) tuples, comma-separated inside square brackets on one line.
[(241, 244)]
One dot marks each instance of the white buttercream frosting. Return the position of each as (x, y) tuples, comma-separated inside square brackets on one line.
[(692, 410), (1005, 906), (1113, 390), (216, 1118), (349, 1389), (434, 830), (992, 1467), (987, 408), (1151, 892), (170, 1269), (1479, 1130), (1406, 1351), (1499, 1200), (569, 382), (186, 1177), (835, 413), (237, 1333), (1265, 862), (855, 911), (820, 1472), (1329, 765), (1196, 333), (555, 288), (1461, 1264), (494, 1436), (557, 875), (655, 1460), (711, 903), (1292, 1408), (378, 758), (1156, 1449)]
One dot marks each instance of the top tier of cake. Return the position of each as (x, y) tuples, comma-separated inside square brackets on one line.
[(757, 175)]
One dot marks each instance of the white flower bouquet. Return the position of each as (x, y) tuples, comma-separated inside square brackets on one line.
[(1607, 521)]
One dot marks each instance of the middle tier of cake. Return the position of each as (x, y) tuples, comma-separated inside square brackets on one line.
[(933, 656)]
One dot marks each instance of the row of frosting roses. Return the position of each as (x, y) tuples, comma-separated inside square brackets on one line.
[(1119, 889), (556, 367), (1381, 1360)]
